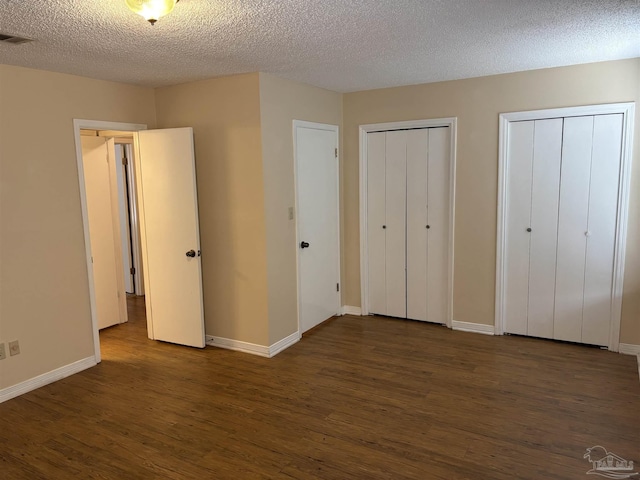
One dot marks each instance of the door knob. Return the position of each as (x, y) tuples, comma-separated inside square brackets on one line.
[(304, 245), (191, 253), (384, 226), (428, 226), (529, 229)]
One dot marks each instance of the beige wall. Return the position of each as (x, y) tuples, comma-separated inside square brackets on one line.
[(44, 293), (281, 102), (225, 116), (477, 102)]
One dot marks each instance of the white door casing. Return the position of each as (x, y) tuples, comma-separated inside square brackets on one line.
[(168, 209), (592, 208), (318, 222), (426, 245)]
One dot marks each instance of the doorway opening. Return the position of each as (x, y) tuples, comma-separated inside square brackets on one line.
[(112, 231), (161, 227)]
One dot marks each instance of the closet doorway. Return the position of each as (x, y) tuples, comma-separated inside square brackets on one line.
[(407, 179)]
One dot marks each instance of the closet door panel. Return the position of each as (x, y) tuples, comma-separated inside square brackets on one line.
[(603, 204), (547, 151), (516, 268), (396, 199), (376, 211), (572, 226), (438, 221), (417, 158)]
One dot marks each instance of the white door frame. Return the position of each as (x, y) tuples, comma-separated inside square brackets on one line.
[(628, 112), (79, 124), (331, 128), (452, 123)]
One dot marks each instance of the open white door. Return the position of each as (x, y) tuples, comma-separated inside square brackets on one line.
[(170, 236), (99, 169), (318, 222)]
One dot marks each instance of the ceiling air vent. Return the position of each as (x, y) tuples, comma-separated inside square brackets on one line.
[(4, 38)]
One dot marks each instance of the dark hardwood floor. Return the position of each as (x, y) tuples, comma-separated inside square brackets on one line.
[(363, 398)]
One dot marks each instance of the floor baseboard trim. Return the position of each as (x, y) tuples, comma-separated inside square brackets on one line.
[(349, 310), (237, 345), (629, 349), (283, 344), (252, 348), (46, 378), (473, 327)]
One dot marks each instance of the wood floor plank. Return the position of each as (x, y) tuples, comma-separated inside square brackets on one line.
[(358, 397)]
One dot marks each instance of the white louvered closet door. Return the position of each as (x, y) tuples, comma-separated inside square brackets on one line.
[(563, 177)]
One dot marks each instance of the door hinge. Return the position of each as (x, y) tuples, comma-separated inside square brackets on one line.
[(337, 287), (132, 271), (336, 153)]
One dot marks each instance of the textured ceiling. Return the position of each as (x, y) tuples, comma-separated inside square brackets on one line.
[(341, 45)]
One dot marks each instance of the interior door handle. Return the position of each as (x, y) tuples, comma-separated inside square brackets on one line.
[(191, 253), (304, 245)]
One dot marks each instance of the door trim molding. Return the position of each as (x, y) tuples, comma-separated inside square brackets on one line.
[(331, 128), (79, 124), (452, 123), (628, 112)]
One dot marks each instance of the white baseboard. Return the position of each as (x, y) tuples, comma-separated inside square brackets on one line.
[(46, 378), (349, 310), (629, 349), (283, 344), (473, 327), (253, 348)]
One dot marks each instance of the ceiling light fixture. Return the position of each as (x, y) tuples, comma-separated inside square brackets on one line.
[(151, 10)]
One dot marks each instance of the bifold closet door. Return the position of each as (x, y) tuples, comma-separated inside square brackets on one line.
[(572, 226), (545, 184), (601, 228), (427, 223), (532, 222), (386, 191), (396, 223), (563, 178), (376, 221), (587, 226)]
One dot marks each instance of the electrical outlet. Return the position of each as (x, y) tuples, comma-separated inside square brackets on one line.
[(14, 348), (3, 354), (290, 213)]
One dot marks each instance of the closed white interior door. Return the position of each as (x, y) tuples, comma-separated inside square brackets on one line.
[(103, 235), (562, 183), (318, 223), (408, 199), (170, 236)]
